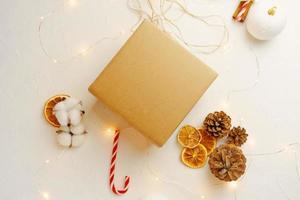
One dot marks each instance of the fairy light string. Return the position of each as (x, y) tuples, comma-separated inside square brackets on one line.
[(161, 19), (200, 195), (81, 52), (234, 184), (158, 17), (254, 83)]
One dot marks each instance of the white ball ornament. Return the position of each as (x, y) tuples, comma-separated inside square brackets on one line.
[(265, 20)]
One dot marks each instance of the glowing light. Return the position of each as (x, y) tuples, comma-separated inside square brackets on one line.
[(202, 197), (73, 3), (47, 161), (42, 18), (157, 178), (123, 32), (233, 184), (110, 131), (83, 52), (45, 195), (224, 105), (54, 60), (251, 142)]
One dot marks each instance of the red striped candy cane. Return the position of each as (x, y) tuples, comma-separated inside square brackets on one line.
[(242, 10), (113, 166)]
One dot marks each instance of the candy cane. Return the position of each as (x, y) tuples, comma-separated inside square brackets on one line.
[(242, 10), (113, 166)]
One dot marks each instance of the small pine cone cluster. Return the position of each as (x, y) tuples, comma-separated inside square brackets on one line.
[(237, 136), (227, 162), (217, 124)]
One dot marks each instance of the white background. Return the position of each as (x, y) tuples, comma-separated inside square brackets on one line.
[(34, 167)]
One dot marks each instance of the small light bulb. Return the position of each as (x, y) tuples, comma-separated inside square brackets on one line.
[(83, 52), (233, 184), (224, 105), (73, 3), (42, 18), (202, 197), (110, 131), (123, 32), (251, 142), (47, 161), (157, 178), (45, 195), (54, 60)]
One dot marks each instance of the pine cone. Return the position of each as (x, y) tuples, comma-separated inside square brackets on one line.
[(217, 124), (227, 162), (237, 136)]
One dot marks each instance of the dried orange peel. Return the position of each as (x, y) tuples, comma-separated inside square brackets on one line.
[(209, 142), (194, 157), (189, 136), (48, 108)]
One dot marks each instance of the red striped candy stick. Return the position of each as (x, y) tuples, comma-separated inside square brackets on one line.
[(113, 167), (242, 10)]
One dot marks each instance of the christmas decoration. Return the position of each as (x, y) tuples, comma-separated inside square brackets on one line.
[(242, 10), (194, 157), (237, 136), (217, 124), (266, 20), (72, 136), (68, 112), (48, 109), (209, 142), (113, 167), (227, 162), (189, 136), (65, 112)]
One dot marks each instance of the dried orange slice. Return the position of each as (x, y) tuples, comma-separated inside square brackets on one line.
[(194, 157), (208, 141), (48, 108), (189, 136)]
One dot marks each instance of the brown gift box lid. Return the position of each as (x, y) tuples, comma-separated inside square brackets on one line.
[(153, 82)]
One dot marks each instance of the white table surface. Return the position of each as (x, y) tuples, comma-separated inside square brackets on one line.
[(34, 167)]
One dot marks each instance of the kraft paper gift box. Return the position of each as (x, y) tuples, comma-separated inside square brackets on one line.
[(153, 82)]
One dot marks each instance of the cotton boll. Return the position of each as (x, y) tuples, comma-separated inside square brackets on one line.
[(77, 140), (64, 129), (78, 106), (154, 197), (75, 116), (78, 129), (62, 117), (64, 139), (70, 103), (59, 106)]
